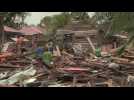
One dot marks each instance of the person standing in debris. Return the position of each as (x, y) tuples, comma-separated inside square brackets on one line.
[(47, 57), (19, 44), (50, 47), (34, 42), (42, 59), (20, 40), (39, 51), (41, 66)]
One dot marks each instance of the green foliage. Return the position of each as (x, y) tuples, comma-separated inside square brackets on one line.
[(117, 22), (81, 16), (52, 23), (8, 18), (55, 22), (121, 49)]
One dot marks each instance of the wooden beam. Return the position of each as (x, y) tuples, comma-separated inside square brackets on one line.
[(58, 50), (91, 44)]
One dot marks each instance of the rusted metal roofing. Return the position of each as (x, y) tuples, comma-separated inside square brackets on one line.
[(31, 30), (9, 29)]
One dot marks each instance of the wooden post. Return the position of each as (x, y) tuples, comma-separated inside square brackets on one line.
[(3, 37), (91, 44), (2, 30), (115, 45), (89, 84), (74, 80), (58, 50)]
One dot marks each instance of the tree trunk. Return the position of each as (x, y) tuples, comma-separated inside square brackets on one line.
[(2, 30)]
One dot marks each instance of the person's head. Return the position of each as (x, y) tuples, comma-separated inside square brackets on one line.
[(50, 42), (17, 36), (22, 36), (46, 45), (45, 48)]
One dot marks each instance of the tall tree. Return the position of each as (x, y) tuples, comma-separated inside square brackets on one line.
[(15, 19), (9, 19), (81, 16), (117, 22), (46, 22), (55, 22)]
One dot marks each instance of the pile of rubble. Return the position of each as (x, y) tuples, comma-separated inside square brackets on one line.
[(107, 71), (68, 70)]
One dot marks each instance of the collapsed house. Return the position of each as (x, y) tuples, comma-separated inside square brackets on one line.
[(29, 32), (10, 33), (107, 43), (33, 33), (80, 34), (76, 33), (67, 70)]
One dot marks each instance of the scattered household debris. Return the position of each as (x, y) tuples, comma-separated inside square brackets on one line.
[(70, 69), (84, 65)]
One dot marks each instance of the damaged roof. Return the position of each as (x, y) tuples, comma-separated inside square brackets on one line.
[(28, 30), (9, 29), (31, 30)]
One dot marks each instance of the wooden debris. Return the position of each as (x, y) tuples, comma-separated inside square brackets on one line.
[(9, 66), (58, 50), (65, 53), (74, 81), (116, 59), (91, 44)]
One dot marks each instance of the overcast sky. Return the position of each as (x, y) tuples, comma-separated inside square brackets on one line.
[(35, 17)]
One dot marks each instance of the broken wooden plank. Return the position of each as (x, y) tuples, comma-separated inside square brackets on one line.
[(128, 57), (91, 44), (74, 81), (68, 54), (117, 71), (21, 62), (126, 64), (117, 59), (10, 66), (58, 50), (129, 51)]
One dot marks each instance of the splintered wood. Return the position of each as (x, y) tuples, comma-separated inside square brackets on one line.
[(106, 71), (70, 69), (91, 44)]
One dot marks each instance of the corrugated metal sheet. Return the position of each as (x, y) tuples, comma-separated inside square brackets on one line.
[(9, 29), (31, 30)]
